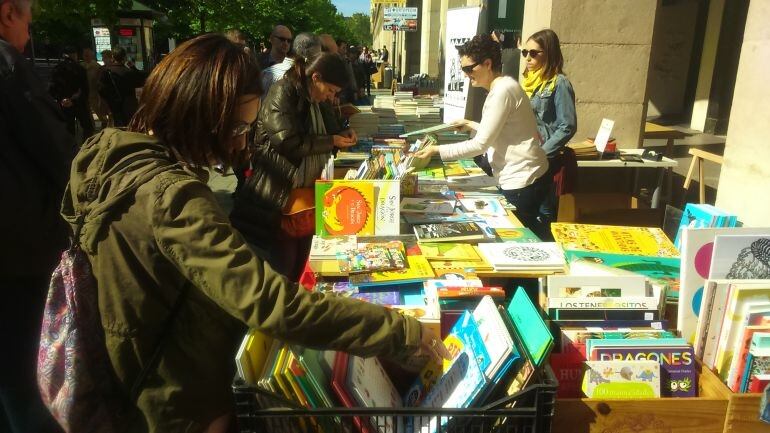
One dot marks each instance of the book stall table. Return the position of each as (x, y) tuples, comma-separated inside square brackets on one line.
[(663, 165)]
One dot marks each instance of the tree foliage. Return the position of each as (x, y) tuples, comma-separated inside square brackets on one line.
[(68, 21)]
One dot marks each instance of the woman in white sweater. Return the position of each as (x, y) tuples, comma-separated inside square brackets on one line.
[(507, 134)]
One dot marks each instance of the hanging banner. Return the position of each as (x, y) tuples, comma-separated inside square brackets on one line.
[(400, 19), (462, 24)]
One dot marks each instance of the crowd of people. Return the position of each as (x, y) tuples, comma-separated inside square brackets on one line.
[(137, 199)]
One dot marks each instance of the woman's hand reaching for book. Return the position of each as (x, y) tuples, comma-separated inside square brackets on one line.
[(431, 349), (464, 125)]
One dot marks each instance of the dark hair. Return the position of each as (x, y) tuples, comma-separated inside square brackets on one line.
[(190, 99), (119, 54), (553, 61), (329, 66), (480, 48)]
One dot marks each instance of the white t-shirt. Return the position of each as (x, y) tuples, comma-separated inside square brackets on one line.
[(508, 135)]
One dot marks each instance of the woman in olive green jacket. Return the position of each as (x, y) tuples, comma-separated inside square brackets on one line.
[(152, 228)]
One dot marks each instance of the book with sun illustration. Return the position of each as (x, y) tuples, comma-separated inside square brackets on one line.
[(622, 379), (344, 207)]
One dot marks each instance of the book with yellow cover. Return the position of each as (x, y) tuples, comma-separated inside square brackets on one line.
[(258, 348), (292, 380), (280, 363), (454, 168), (344, 207), (643, 241), (418, 269), (449, 251)]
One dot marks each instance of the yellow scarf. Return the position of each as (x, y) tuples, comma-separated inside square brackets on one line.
[(534, 81)]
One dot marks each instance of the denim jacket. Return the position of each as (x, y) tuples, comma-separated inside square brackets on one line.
[(555, 113)]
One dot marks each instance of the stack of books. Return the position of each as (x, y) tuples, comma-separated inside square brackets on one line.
[(515, 256)]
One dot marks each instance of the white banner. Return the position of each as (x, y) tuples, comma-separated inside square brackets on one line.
[(462, 24)]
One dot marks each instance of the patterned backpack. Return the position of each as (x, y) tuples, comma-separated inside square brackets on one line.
[(73, 368)]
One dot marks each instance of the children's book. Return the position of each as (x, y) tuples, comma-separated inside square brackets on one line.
[(642, 241), (758, 359), (518, 234), (736, 377), (418, 269), (699, 216), (345, 207), (483, 206), (387, 194), (496, 338), (697, 252), (529, 323), (622, 379), (372, 257), (450, 232), (340, 388), (426, 205), (449, 251), (370, 386), (679, 376), (745, 257), (515, 256), (326, 248)]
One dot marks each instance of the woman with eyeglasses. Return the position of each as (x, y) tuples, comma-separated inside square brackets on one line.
[(156, 237), (506, 135), (292, 125), (553, 101)]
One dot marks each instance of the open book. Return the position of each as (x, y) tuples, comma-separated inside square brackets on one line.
[(437, 128)]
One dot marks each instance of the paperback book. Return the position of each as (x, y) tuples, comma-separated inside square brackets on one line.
[(642, 241), (622, 379)]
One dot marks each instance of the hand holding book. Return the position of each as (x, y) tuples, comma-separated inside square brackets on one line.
[(431, 349)]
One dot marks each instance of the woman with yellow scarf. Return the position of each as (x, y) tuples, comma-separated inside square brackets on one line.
[(553, 102)]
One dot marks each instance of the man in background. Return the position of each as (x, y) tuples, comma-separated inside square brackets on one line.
[(280, 44), (69, 86), (35, 155), (94, 75), (118, 87)]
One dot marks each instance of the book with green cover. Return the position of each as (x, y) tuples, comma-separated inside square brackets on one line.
[(533, 330), (622, 379)]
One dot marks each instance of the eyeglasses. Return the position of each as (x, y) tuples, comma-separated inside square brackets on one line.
[(287, 40), (469, 68), (241, 128), (530, 53)]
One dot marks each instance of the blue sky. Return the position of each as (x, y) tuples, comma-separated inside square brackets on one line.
[(349, 7)]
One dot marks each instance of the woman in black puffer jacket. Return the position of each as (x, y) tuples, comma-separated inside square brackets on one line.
[(294, 137)]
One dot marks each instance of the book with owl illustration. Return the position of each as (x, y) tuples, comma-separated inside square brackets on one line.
[(641, 241), (515, 256), (679, 377), (622, 379)]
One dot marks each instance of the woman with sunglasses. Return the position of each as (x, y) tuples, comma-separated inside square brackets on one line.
[(156, 237), (507, 133), (302, 135), (553, 101)]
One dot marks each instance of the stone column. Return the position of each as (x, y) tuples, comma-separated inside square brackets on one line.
[(745, 177), (707, 63), (430, 22), (606, 47)]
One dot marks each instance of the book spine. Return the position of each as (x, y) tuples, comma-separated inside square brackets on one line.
[(646, 303)]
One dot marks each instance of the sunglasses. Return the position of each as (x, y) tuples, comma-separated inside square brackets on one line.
[(530, 53), (287, 40), (241, 128), (469, 68)]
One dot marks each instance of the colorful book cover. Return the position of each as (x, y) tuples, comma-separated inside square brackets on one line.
[(697, 253), (258, 349), (513, 255), (453, 168), (418, 269), (744, 257), (519, 234), (464, 336), (449, 251), (427, 205), (663, 269), (372, 257), (529, 323), (387, 218), (698, 216), (622, 379), (737, 377), (311, 361), (379, 298), (496, 338), (642, 241), (344, 207), (679, 376), (449, 232)]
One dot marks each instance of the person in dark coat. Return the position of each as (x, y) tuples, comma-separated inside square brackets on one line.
[(35, 154), (119, 84), (69, 86)]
